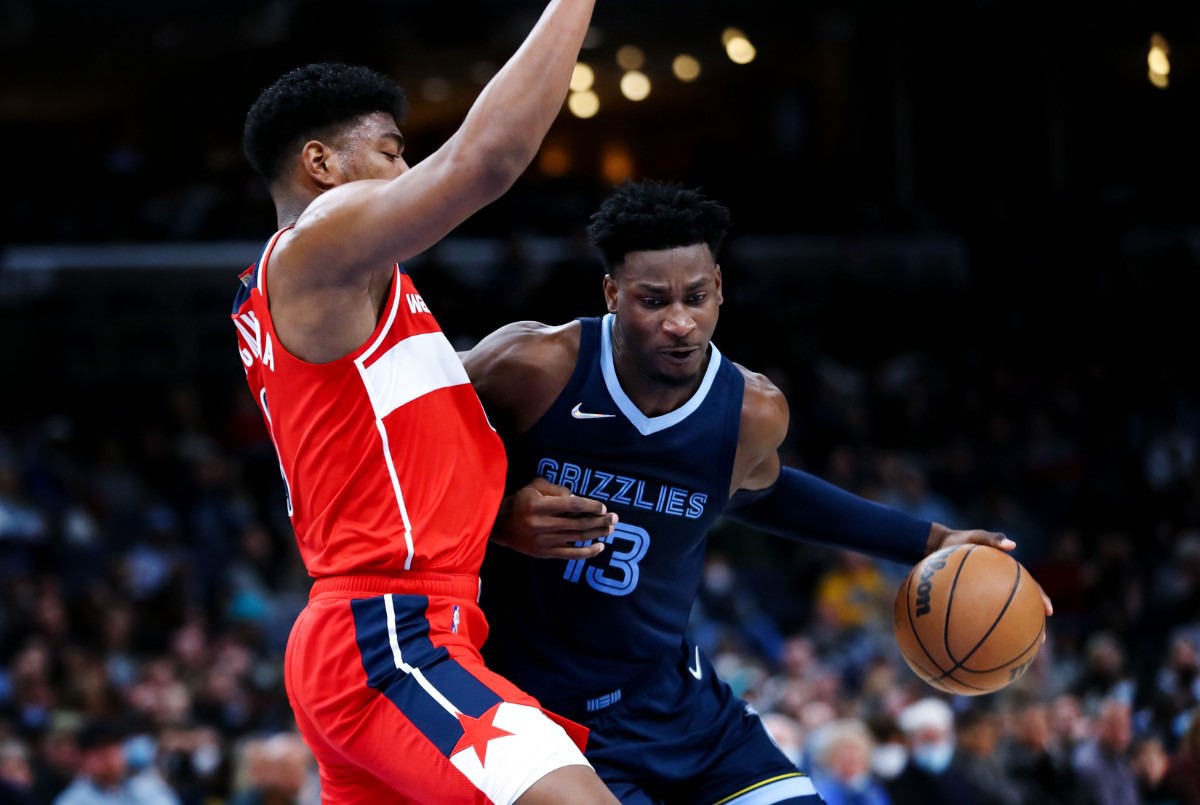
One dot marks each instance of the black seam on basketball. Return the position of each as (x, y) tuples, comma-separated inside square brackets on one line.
[(912, 626), (950, 614), (1012, 593), (950, 673), (934, 679)]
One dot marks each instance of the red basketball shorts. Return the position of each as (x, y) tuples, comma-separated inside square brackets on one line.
[(389, 691)]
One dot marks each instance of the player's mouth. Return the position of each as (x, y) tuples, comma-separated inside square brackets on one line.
[(679, 355)]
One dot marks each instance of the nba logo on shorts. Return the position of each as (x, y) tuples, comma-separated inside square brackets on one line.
[(454, 622)]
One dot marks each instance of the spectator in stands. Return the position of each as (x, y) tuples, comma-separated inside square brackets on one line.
[(1150, 762), (1034, 760), (104, 777), (979, 731), (277, 770), (16, 773), (1183, 773), (841, 770), (1102, 760), (929, 777)]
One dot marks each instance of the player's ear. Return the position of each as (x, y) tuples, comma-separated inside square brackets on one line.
[(610, 293), (316, 159), (720, 293)]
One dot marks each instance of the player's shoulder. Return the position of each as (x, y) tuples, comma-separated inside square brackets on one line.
[(524, 345), (519, 369), (765, 412), (761, 391)]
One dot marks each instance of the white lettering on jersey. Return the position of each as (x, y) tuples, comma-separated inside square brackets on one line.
[(251, 331), (416, 304), (268, 357)]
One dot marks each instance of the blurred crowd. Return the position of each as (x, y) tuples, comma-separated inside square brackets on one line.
[(148, 578)]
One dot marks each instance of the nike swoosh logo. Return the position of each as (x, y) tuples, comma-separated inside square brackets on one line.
[(575, 412), (697, 671)]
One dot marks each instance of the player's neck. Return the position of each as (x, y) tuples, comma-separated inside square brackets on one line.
[(654, 396)]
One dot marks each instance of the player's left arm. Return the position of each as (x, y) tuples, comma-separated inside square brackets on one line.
[(794, 504)]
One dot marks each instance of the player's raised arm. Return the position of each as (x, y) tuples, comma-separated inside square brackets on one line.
[(360, 226)]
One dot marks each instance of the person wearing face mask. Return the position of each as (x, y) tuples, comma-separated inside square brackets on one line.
[(842, 769), (930, 776)]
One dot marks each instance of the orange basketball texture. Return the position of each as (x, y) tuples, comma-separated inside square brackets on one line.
[(969, 619)]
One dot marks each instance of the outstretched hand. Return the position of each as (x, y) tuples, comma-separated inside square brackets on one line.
[(548, 521), (942, 537)]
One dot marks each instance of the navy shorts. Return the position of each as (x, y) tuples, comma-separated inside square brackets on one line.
[(684, 737)]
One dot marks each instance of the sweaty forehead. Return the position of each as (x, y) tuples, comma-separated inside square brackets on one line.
[(372, 127)]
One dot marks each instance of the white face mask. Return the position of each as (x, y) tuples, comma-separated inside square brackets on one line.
[(888, 759), (935, 757)]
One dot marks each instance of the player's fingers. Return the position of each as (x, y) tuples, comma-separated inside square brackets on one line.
[(572, 551), (548, 512), (602, 524), (547, 488), (996, 540), (977, 536), (599, 532), (565, 525), (572, 532), (582, 507), (1046, 601)]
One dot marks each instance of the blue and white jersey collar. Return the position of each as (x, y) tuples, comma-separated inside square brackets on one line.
[(647, 425)]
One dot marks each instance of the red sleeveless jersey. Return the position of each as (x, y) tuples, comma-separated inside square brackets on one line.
[(388, 458)]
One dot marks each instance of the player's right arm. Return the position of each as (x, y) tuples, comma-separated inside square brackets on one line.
[(518, 371), (357, 227)]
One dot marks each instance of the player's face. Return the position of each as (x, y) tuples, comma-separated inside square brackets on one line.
[(666, 304), (372, 148)]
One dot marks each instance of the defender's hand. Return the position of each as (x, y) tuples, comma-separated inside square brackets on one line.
[(942, 537), (547, 521)]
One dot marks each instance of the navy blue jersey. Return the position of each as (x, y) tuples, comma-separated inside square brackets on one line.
[(576, 633)]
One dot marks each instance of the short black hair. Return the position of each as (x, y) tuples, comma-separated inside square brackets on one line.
[(308, 102), (651, 215), (98, 734)]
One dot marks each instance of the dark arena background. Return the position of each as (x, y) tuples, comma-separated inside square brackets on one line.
[(966, 244)]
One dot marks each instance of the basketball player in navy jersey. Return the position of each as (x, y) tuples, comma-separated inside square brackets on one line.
[(639, 434)]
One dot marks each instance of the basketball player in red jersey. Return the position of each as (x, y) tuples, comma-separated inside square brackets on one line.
[(393, 473)]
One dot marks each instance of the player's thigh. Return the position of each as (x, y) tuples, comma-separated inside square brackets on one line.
[(752, 769), (687, 738), (379, 689)]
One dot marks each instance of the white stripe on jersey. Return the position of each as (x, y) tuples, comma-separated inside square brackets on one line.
[(414, 367), (401, 665), (534, 746)]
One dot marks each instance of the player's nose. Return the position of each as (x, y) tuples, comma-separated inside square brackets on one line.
[(678, 322)]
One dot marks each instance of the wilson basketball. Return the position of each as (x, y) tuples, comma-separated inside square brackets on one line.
[(969, 619)]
